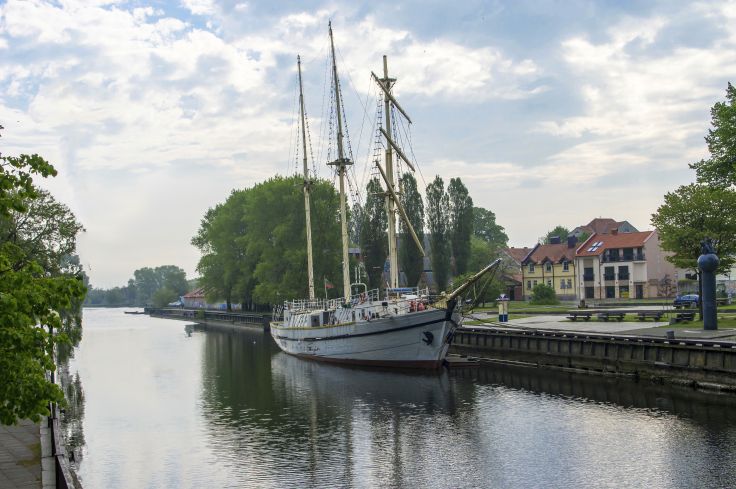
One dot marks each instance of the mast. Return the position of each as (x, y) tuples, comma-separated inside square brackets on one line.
[(390, 211), (307, 211), (341, 162), (392, 199)]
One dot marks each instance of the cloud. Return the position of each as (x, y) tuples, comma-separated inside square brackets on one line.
[(641, 106)]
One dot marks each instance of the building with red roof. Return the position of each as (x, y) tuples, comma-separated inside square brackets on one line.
[(553, 265), (621, 266)]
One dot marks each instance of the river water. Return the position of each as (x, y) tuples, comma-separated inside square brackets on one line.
[(168, 405)]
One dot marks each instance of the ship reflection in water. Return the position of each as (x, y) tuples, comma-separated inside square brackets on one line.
[(262, 418)]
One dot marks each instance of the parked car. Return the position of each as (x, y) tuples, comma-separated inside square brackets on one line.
[(688, 300)]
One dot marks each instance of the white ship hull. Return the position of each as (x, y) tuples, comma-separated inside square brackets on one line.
[(415, 339)]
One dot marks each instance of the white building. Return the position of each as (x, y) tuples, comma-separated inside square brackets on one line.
[(623, 266)]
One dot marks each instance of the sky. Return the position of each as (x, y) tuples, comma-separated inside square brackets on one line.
[(552, 113)]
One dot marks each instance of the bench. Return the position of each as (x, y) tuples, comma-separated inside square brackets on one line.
[(685, 316), (574, 315), (605, 316), (655, 315)]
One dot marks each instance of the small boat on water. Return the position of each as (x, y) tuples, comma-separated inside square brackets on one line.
[(404, 328)]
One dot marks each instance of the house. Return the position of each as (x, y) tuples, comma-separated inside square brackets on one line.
[(551, 264), (195, 298), (622, 265), (603, 225), (512, 275)]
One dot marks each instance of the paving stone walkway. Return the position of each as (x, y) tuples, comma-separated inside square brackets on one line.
[(20, 456)]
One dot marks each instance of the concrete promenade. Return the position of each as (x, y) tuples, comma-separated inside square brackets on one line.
[(634, 328), (20, 455)]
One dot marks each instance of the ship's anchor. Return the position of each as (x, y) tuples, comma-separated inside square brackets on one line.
[(428, 338)]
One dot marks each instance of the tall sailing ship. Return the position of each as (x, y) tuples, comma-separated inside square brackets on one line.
[(404, 328)]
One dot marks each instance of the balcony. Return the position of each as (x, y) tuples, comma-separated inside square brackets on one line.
[(616, 258), (622, 276), (607, 276)]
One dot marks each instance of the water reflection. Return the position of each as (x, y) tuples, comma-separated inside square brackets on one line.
[(197, 407), (704, 406)]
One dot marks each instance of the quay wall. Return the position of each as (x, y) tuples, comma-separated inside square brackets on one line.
[(213, 318), (709, 364)]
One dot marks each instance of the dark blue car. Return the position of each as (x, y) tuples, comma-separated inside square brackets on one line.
[(688, 300)]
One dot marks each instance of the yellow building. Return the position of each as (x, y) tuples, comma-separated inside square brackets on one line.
[(552, 265)]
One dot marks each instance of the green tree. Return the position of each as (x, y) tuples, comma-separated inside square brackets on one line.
[(412, 260), (486, 228), (437, 219), (559, 231), (481, 254), (720, 168), (254, 244), (163, 297), (543, 295), (276, 237), (148, 280), (223, 268), (460, 212), (692, 213), (36, 295), (374, 235), (487, 289)]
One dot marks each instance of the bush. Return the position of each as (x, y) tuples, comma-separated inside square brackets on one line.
[(163, 296), (543, 295)]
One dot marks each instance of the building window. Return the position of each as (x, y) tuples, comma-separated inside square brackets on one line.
[(623, 273), (549, 283), (548, 267), (609, 274), (531, 268), (623, 291), (610, 292), (562, 283), (588, 274), (565, 266), (589, 292), (529, 285), (535, 283), (569, 283)]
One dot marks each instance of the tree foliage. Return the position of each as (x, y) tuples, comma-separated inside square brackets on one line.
[(373, 233), (437, 224), (411, 258), (147, 281), (706, 208), (486, 228), (692, 213), (460, 212), (559, 231), (37, 292), (720, 168), (254, 244), (543, 295)]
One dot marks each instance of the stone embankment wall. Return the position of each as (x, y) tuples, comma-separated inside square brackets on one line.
[(213, 318), (701, 363)]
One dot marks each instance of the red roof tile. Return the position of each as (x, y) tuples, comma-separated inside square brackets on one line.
[(518, 254), (551, 252), (195, 294), (622, 240)]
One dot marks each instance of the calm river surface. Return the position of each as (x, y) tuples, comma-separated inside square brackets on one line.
[(176, 406)]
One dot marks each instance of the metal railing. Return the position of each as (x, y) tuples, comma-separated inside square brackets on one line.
[(64, 478)]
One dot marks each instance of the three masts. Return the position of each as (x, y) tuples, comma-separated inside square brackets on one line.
[(401, 329)]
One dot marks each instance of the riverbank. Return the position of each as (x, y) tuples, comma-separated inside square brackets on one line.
[(702, 359)]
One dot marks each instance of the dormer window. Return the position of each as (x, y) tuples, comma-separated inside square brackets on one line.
[(531, 268), (565, 266), (548, 267)]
